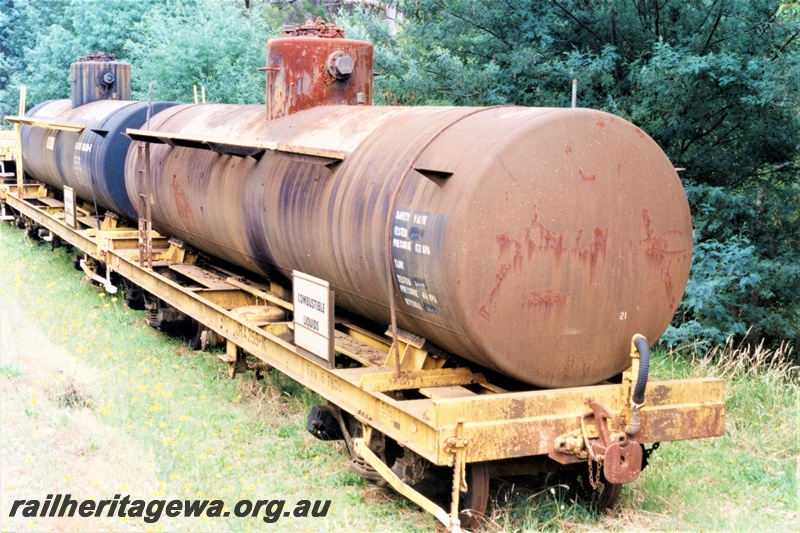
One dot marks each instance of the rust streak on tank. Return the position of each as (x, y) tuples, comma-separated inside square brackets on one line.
[(549, 240), (658, 246), (182, 203), (547, 298), (595, 248), (669, 286), (501, 275)]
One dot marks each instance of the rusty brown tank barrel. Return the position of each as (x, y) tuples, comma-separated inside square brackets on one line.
[(534, 242)]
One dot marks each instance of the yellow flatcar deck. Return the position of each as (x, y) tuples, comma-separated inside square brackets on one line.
[(449, 415)]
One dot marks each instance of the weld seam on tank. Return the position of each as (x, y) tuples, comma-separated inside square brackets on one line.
[(393, 206)]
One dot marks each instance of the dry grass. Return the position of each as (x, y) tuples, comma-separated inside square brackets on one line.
[(748, 360)]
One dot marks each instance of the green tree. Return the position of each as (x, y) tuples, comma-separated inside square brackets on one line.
[(706, 79), (43, 37), (715, 82), (209, 43)]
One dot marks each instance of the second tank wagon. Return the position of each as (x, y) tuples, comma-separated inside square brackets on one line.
[(88, 152)]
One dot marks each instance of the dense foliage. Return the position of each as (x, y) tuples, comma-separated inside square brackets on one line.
[(176, 44), (716, 84)]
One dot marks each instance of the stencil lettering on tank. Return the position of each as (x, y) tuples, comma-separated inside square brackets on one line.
[(417, 242)]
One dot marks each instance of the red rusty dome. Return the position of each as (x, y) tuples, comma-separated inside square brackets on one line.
[(314, 65)]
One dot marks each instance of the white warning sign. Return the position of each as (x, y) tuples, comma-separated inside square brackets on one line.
[(313, 315)]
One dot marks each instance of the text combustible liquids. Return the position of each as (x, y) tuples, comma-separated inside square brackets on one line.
[(313, 315), (152, 511), (314, 304), (311, 302)]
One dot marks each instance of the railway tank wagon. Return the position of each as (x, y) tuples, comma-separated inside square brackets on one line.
[(533, 242), (83, 148), (522, 257)]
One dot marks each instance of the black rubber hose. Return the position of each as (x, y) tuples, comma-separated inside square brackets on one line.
[(644, 366)]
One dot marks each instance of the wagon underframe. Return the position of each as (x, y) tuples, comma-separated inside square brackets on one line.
[(448, 415)]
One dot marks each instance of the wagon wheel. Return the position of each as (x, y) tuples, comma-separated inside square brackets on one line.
[(603, 497), (474, 503)]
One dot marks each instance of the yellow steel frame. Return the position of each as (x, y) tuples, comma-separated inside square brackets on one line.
[(489, 426), (13, 149)]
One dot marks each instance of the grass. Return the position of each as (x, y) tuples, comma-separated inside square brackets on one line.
[(11, 370), (197, 434), (201, 434), (749, 476), (746, 480)]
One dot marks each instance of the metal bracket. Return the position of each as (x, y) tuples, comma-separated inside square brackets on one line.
[(179, 252), (397, 484), (412, 353), (571, 447), (104, 281), (237, 363), (621, 458), (457, 446)]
